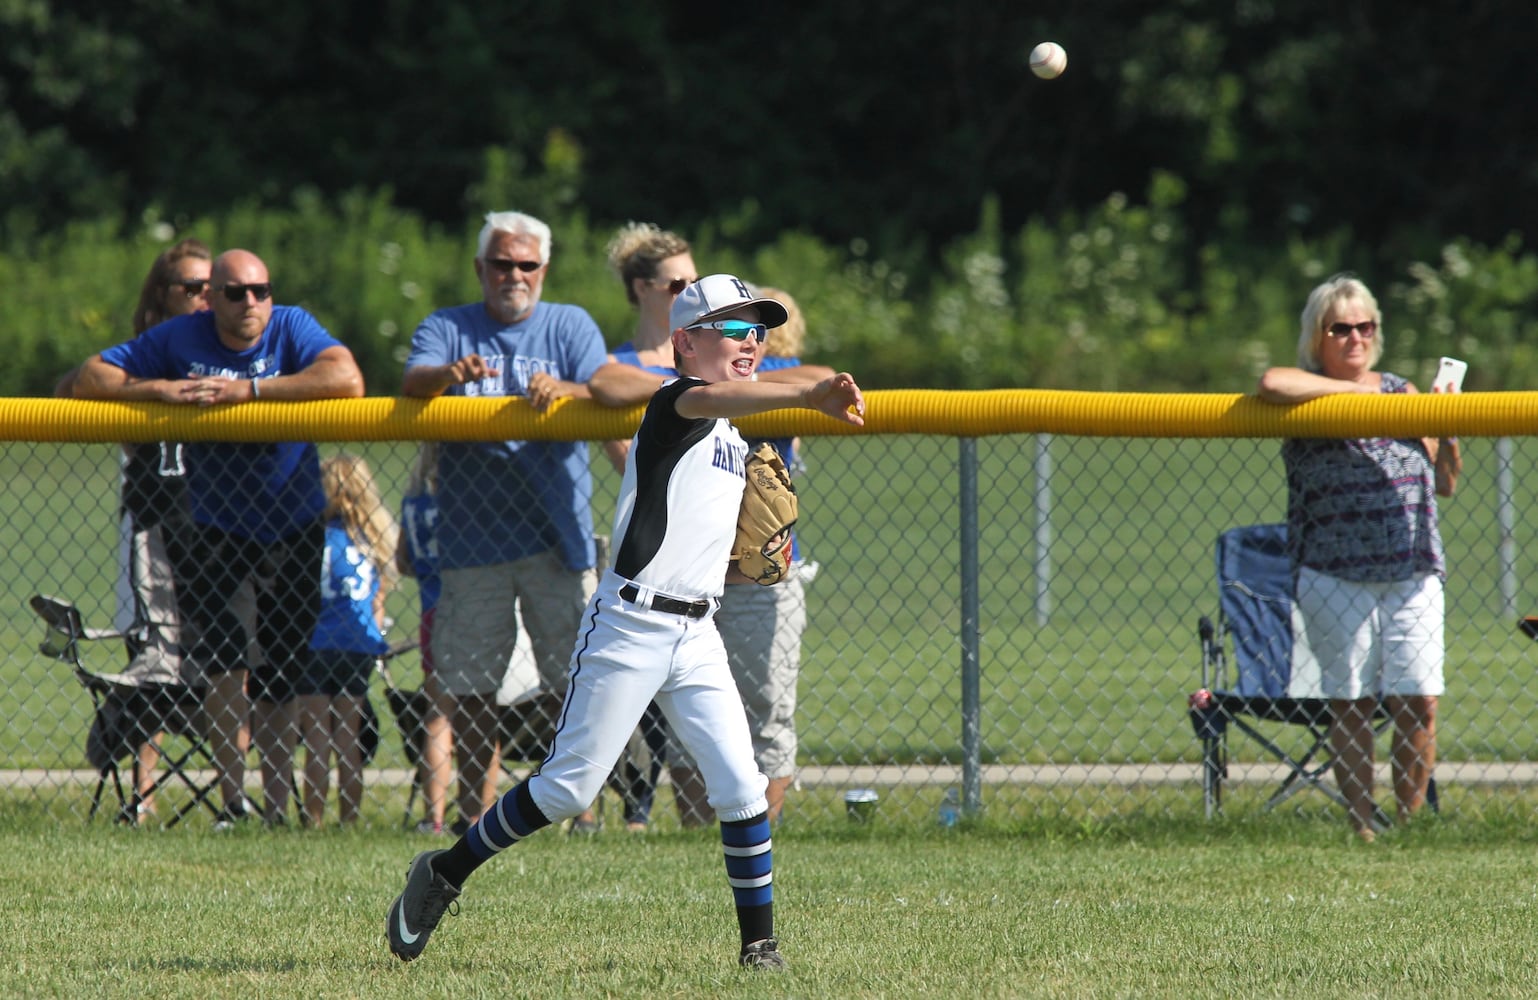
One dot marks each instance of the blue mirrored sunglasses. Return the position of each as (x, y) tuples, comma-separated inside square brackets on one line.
[(735, 329)]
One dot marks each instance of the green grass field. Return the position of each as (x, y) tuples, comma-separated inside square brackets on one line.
[(1103, 680), (1277, 907)]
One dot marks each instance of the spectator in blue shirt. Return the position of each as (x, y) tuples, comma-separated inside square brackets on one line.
[(516, 522), (256, 508)]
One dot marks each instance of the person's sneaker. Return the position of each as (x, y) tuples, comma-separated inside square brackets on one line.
[(415, 913), (430, 828), (763, 954), (239, 811), (135, 813)]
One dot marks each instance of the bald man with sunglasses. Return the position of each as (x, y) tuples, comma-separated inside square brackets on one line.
[(256, 508)]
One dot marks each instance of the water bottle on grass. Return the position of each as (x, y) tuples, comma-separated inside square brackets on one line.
[(950, 808)]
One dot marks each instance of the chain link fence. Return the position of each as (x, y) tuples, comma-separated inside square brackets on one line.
[(1008, 621)]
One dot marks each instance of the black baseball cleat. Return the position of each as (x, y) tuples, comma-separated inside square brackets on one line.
[(763, 954), (415, 913)]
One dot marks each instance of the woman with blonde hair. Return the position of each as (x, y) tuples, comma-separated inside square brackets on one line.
[(357, 571), (654, 265), (1366, 549)]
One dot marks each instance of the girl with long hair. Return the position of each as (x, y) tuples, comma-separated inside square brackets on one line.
[(357, 572)]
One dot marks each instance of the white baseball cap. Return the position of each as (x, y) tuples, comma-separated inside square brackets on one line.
[(715, 294)]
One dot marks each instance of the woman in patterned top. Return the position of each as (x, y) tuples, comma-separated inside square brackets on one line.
[(1368, 562)]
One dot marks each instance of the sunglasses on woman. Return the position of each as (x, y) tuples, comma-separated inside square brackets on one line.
[(1367, 328), (191, 289), (675, 286)]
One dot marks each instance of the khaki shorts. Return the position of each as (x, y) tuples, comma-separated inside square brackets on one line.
[(761, 628), (475, 625)]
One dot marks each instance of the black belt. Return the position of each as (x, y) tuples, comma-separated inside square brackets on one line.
[(672, 605)]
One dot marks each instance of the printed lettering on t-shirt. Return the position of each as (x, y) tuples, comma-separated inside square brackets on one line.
[(357, 584), (199, 370), (258, 366), (513, 374), (730, 458), (171, 460), (491, 385), (422, 528), (524, 369)]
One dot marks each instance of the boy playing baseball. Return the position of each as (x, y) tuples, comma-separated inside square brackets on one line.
[(648, 632)]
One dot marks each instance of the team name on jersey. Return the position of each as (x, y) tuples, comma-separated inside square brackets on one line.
[(730, 459)]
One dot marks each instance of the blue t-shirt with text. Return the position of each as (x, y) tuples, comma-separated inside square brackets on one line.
[(259, 491), (349, 583), (419, 534), (506, 500)]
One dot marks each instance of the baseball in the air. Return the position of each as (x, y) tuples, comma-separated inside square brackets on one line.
[(1048, 60)]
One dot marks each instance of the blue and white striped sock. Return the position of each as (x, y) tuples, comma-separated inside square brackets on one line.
[(513, 817), (750, 870)]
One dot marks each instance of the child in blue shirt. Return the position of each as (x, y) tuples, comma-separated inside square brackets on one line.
[(357, 571), (417, 556)]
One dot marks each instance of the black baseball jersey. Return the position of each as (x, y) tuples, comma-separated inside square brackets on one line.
[(677, 513)]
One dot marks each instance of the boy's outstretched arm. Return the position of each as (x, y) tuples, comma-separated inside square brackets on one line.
[(838, 396)]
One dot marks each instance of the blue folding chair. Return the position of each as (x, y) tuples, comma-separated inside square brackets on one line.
[(1255, 611)]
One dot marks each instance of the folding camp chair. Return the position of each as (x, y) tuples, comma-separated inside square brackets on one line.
[(410, 711), (524, 726), (129, 709), (1272, 680)]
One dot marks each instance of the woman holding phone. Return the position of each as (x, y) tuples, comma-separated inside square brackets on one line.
[(1367, 555)]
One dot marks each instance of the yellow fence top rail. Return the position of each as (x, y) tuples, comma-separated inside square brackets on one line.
[(891, 411)]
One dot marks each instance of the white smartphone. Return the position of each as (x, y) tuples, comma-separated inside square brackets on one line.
[(1449, 376)]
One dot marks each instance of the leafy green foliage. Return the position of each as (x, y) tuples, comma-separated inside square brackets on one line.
[(1152, 220), (891, 126), (1121, 297)]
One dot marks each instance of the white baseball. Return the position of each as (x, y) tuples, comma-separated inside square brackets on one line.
[(1048, 60)]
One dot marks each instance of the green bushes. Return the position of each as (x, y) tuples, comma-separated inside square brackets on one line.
[(1117, 298)]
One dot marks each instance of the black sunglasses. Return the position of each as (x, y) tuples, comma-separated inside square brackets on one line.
[(237, 293), (504, 266), (1367, 328), (677, 285), (192, 289)]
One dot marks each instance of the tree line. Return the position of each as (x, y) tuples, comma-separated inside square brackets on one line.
[(895, 147)]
